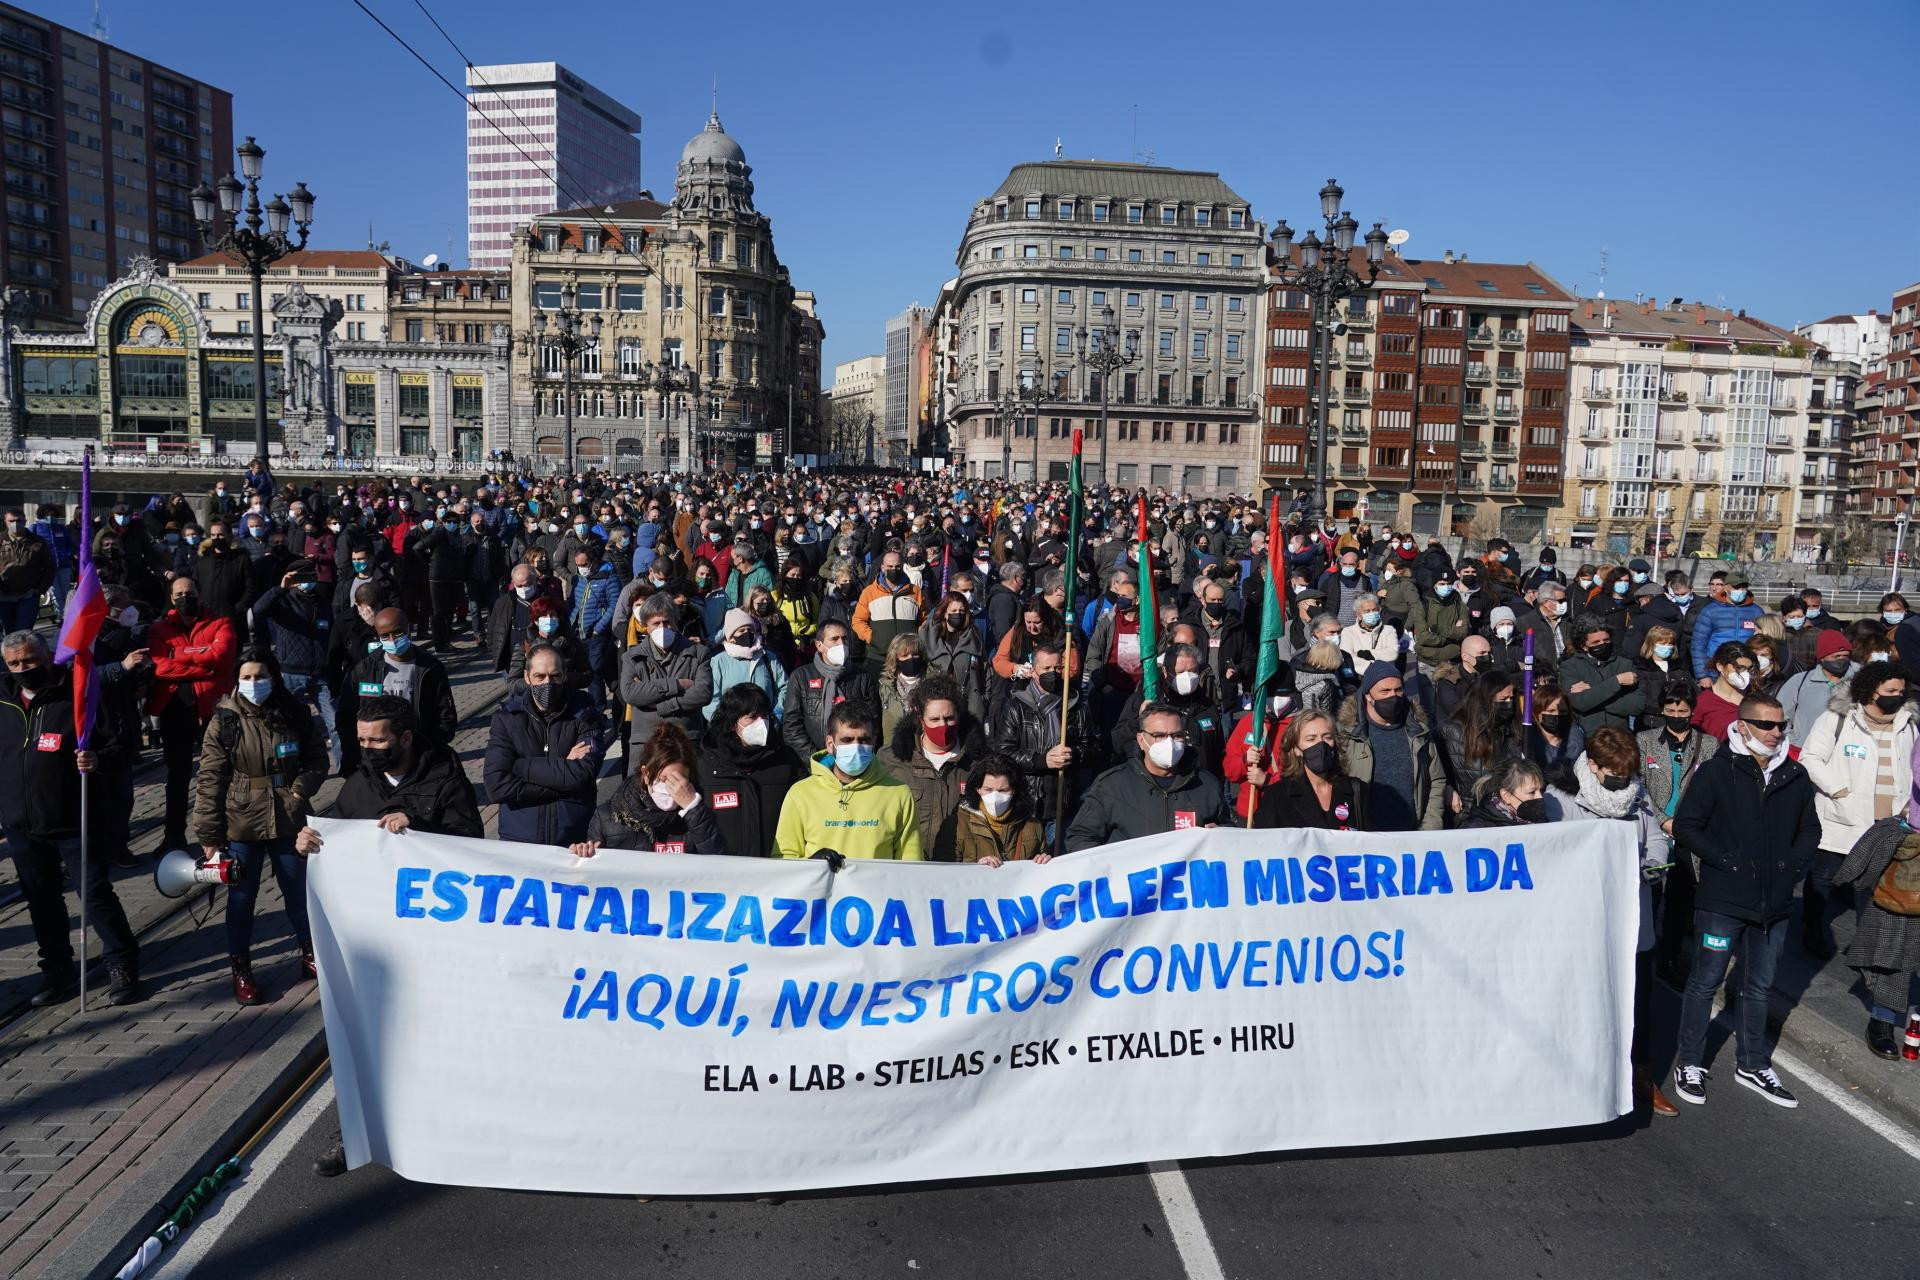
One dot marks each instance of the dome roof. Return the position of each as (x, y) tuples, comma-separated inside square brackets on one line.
[(712, 146)]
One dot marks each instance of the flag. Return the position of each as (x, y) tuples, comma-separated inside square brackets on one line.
[(1073, 528), (946, 567), (1149, 614), (1273, 624), (86, 612)]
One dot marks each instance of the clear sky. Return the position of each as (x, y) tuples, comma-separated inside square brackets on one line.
[(1744, 154)]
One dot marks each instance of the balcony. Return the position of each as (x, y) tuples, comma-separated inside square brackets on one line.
[(1477, 373), (1474, 412), (1785, 404), (1500, 484), (1355, 395), (1779, 440), (32, 133), (1775, 480), (1707, 440), (1505, 448), (1506, 413), (1361, 319), (1672, 395), (21, 71), (1593, 471), (1666, 475), (1512, 338), (22, 187), (1593, 431), (1596, 393), (1668, 435), (1473, 448), (1360, 359), (1481, 337), (37, 103), (1353, 469), (1714, 398), (1353, 431), (1707, 476), (17, 40), (1507, 375)]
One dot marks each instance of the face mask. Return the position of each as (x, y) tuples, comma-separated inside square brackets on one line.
[(1836, 665), (1738, 595), (1813, 611), (173, 539), (1534, 810), (1739, 679), (836, 655), (1468, 584), (334, 527), (1347, 570), (1764, 662), (360, 568), (527, 592), (1892, 618), (1762, 750), (1319, 758), (579, 530), (1371, 618), (1278, 704), (736, 649), (1620, 586), (1879, 655), (547, 696), (1392, 710), (755, 734), (1888, 703), (396, 645), (1503, 711), (547, 625), (1678, 724), (129, 616), (1663, 651), (1166, 752), (584, 570), (996, 803), (1639, 578), (255, 691), (381, 758), (553, 526), (1585, 584), (186, 606), (662, 796), (1049, 683), (852, 758), (1443, 589), (911, 666), (713, 538), (1796, 623), (1185, 682), (1617, 784), (1682, 601), (1556, 722), (1600, 652), (939, 736)]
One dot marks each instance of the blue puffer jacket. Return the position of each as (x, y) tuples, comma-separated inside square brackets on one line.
[(594, 598), (1717, 624)]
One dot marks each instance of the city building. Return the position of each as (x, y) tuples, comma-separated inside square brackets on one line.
[(1870, 492), (1450, 396), (1845, 349), (1695, 434), (857, 403), (704, 346), (150, 373), (1177, 256), (908, 350), (360, 280), (102, 149), (444, 305), (1897, 471), (540, 138)]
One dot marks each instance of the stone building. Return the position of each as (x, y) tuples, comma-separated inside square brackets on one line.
[(1178, 257), (703, 344), (360, 280)]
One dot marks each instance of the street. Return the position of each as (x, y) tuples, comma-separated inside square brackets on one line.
[(1736, 1188)]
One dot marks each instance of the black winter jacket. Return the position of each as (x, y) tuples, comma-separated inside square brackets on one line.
[(299, 627), (1027, 730), (745, 787), (39, 786), (631, 820), (1755, 836), (1126, 802), (432, 702), (544, 797), (436, 796), (812, 693)]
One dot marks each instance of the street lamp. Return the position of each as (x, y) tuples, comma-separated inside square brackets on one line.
[(1102, 352), (668, 379), (1325, 273), (218, 213), (568, 332), (1029, 390), (1899, 543)]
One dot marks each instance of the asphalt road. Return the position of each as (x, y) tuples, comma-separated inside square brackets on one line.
[(1739, 1188)]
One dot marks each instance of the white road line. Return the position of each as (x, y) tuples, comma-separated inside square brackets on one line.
[(205, 1232), (1844, 1099), (1184, 1221)]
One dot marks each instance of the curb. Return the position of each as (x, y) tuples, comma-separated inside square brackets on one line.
[(1844, 1057), (170, 1171)]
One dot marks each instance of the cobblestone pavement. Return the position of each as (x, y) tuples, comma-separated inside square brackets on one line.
[(86, 1099)]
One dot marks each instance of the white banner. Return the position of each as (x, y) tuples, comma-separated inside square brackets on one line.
[(505, 1015)]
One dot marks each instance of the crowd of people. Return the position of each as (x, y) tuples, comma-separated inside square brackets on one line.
[(919, 667)]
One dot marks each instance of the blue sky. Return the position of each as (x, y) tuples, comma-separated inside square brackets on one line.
[(1740, 154)]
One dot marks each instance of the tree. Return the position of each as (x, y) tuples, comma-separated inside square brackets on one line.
[(1855, 540)]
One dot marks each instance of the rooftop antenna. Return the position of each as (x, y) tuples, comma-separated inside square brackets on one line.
[(1602, 292), (1056, 147), (369, 233), (716, 93), (99, 23), (1145, 156)]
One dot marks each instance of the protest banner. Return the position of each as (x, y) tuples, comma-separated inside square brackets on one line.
[(656, 1024)]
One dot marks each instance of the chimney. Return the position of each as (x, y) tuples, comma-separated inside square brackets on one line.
[(1447, 257), (1639, 297), (1461, 258)]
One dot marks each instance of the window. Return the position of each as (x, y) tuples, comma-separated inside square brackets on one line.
[(632, 355), (205, 300), (993, 337), (1030, 297), (1546, 359), (1029, 250), (1133, 300), (1066, 251), (1166, 302), (1066, 210), (716, 302), (1288, 339), (546, 295), (999, 252), (1100, 212), (1167, 214), (1134, 213), (1233, 306), (360, 399), (1064, 297), (1233, 346), (1199, 346), (1027, 332), (590, 358), (588, 297), (589, 242), (1133, 255), (1168, 257), (415, 331), (1099, 253), (1203, 217), (1166, 342), (1063, 340), (1200, 302), (1033, 209), (630, 297), (469, 402), (413, 400), (242, 301), (993, 297), (1196, 433), (1236, 218), (550, 241), (1202, 259), (1099, 297)]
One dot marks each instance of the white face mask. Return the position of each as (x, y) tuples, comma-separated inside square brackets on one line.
[(996, 803), (1278, 705), (1185, 682), (836, 655), (1761, 750), (1765, 663), (755, 734), (1879, 656), (662, 796), (1739, 679), (1504, 631), (1166, 752), (662, 637)]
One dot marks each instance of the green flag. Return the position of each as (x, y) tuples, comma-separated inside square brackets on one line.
[(1273, 625), (1074, 503), (1149, 614)]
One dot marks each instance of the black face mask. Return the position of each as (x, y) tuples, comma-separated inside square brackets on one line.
[(1836, 666), (1600, 652), (911, 666), (548, 697), (35, 678), (1503, 711), (381, 758), (1391, 710), (1217, 610), (1617, 784), (1556, 722), (1049, 683), (1319, 758), (1889, 703), (1534, 810), (1678, 726)]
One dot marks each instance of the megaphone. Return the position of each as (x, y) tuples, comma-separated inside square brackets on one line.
[(180, 872)]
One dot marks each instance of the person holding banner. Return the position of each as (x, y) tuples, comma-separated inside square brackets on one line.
[(746, 770), (1312, 788), (657, 807), (401, 781), (845, 804), (1514, 796), (1162, 791), (933, 745), (1029, 734), (40, 792), (998, 826)]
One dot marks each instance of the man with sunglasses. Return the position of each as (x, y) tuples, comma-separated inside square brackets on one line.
[(1749, 817)]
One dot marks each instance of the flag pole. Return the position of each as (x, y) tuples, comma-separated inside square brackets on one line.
[(85, 779), (1066, 666), (82, 691), (1272, 619)]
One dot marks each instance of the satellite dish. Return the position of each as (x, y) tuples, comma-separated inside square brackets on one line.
[(1399, 236), (429, 260)]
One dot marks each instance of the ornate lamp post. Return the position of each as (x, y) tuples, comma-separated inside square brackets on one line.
[(1325, 274), (1028, 391), (1102, 352), (219, 215), (568, 332), (668, 380)]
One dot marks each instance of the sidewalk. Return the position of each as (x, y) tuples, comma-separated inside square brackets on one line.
[(107, 1117)]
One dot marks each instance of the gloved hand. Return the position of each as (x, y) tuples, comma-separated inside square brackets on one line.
[(834, 859)]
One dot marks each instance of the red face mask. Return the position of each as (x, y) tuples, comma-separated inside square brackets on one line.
[(940, 735)]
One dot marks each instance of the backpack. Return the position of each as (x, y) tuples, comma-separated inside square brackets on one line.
[(1899, 888)]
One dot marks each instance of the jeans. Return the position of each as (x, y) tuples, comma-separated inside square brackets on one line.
[(180, 733), (1759, 948), (1888, 990), (289, 869), (38, 860), (318, 695), (18, 615), (62, 585)]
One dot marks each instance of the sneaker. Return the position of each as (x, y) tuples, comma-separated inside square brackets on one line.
[(1765, 1083), (1690, 1084), (123, 983)]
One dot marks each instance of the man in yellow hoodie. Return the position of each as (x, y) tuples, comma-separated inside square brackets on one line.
[(848, 803)]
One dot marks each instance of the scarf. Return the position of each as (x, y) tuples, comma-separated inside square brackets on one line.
[(1596, 799)]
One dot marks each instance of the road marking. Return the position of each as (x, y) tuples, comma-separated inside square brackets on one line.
[(1184, 1221), (1844, 1099), (206, 1231)]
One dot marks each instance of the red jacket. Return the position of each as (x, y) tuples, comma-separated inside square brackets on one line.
[(198, 653), (1235, 764), (717, 554)]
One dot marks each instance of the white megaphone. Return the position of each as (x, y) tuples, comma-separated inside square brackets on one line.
[(180, 872)]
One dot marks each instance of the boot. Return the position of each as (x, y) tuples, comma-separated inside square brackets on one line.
[(58, 986), (1883, 1038), (244, 990), (308, 971)]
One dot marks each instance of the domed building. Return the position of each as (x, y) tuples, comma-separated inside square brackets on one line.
[(704, 352)]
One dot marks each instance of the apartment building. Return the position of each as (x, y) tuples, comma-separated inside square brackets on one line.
[(1897, 473), (360, 280)]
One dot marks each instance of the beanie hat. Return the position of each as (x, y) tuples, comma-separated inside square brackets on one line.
[(736, 619), (1498, 614), (1546, 555), (1832, 641), (1377, 672)]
